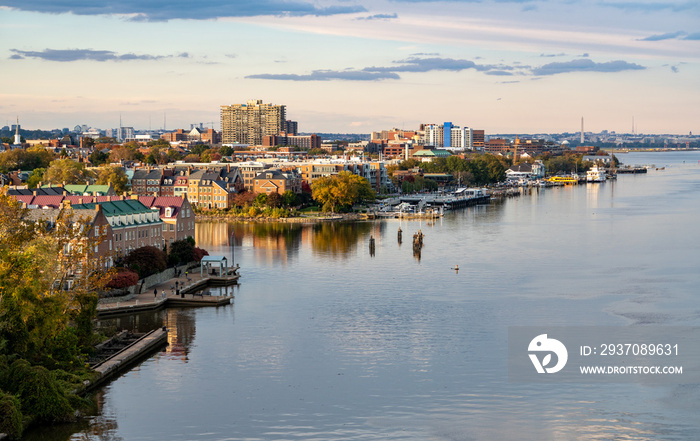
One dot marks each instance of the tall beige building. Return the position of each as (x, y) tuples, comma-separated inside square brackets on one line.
[(249, 123)]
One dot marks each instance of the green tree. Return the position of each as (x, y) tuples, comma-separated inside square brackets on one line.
[(290, 199), (226, 150), (36, 177), (114, 175), (181, 251), (20, 159), (67, 171), (98, 158), (260, 199)]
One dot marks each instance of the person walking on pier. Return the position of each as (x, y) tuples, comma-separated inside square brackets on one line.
[(155, 293)]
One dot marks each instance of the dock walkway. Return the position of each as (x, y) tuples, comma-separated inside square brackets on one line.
[(188, 286)]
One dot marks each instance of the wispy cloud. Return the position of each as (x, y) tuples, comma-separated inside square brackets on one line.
[(666, 36), (422, 65), (693, 36), (637, 6), (561, 54), (374, 73), (139, 10), (379, 17), (327, 75), (66, 55), (585, 65)]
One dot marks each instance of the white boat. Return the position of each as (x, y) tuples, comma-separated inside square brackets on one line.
[(595, 174)]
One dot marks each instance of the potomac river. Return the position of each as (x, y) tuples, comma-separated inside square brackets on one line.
[(327, 342)]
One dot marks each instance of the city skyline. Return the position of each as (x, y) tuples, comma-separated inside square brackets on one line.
[(356, 66)]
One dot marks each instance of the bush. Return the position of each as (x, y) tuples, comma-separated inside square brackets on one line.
[(39, 392), (10, 415), (199, 253), (146, 260), (123, 278)]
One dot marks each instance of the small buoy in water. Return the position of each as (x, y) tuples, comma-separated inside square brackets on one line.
[(456, 268)]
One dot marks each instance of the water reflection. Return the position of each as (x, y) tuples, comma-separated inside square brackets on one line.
[(340, 239), (181, 332)]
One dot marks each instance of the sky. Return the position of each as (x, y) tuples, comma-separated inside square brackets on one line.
[(355, 66)]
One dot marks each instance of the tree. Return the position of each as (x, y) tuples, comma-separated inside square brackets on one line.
[(181, 251), (122, 153), (36, 177), (192, 158), (88, 142), (274, 200), (290, 199), (98, 157), (160, 142), (341, 190), (67, 171), (243, 198), (260, 199), (146, 260), (30, 159), (114, 175)]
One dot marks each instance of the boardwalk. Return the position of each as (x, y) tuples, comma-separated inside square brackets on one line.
[(166, 294)]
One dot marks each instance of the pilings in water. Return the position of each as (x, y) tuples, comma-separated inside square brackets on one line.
[(399, 234), (371, 246), (417, 244)]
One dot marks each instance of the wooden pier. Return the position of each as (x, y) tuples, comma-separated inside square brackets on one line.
[(127, 357)]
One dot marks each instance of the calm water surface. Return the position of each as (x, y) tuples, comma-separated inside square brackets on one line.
[(326, 342)]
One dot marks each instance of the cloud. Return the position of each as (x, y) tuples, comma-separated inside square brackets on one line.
[(694, 36), (380, 17), (65, 55), (674, 69), (139, 10), (423, 65), (666, 36), (585, 65), (327, 75), (636, 6), (560, 54)]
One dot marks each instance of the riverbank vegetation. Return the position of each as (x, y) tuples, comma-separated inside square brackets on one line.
[(49, 278)]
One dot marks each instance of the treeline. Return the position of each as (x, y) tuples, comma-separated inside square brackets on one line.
[(474, 169)]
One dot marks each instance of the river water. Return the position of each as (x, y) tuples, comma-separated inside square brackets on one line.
[(326, 341)]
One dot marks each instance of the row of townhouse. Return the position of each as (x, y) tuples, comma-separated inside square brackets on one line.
[(374, 172), (134, 222), (213, 187)]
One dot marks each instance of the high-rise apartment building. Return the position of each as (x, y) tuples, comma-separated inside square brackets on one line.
[(249, 123), (449, 136)]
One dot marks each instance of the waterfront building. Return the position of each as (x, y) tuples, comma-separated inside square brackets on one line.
[(177, 216), (249, 123), (277, 181), (133, 224)]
